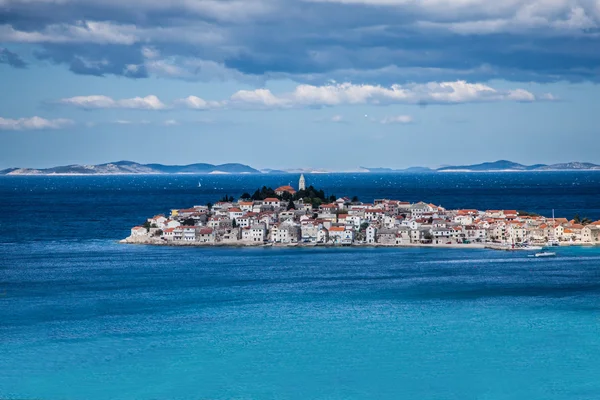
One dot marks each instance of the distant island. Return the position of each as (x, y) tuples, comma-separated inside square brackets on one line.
[(496, 166), (131, 168), (504, 165)]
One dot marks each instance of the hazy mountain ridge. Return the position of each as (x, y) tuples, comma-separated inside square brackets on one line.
[(504, 165), (570, 166), (130, 167)]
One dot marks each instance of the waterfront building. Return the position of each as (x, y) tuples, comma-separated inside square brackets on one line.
[(138, 231), (256, 233), (371, 234), (206, 235)]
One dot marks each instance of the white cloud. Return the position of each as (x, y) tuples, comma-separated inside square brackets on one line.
[(191, 68), (129, 122), (197, 103), (150, 52), (333, 94), (104, 32), (81, 32), (97, 101), (337, 118), (33, 123), (576, 20), (348, 93), (262, 98), (397, 119)]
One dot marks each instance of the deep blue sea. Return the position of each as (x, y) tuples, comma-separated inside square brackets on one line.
[(83, 317)]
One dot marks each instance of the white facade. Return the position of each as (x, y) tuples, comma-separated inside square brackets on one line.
[(371, 234), (256, 233), (139, 231)]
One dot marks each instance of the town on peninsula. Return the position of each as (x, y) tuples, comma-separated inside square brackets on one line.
[(307, 217)]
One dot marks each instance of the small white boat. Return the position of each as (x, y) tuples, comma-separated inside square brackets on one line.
[(545, 254)]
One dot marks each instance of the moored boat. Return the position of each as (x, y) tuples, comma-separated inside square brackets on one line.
[(545, 254)]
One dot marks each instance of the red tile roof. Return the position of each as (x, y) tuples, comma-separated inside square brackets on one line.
[(286, 189)]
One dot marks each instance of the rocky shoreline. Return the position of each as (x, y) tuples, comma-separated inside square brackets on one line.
[(159, 242)]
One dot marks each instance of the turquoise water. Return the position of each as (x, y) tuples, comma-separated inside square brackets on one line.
[(83, 317)]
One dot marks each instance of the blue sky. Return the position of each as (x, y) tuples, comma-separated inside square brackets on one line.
[(333, 84)]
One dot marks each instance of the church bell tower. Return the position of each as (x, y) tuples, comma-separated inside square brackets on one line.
[(302, 183)]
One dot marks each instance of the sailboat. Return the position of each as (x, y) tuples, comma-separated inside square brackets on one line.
[(552, 240), (199, 184)]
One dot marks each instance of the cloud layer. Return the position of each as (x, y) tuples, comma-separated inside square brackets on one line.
[(312, 41), (334, 94), (33, 123), (96, 101)]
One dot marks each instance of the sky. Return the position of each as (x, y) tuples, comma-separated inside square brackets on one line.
[(331, 84)]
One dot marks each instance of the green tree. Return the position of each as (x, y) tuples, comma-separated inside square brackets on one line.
[(159, 232), (355, 199), (364, 226), (291, 206), (527, 213), (188, 222), (234, 223), (245, 196), (315, 202), (209, 205)]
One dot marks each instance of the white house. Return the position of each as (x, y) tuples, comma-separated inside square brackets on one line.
[(386, 236), (341, 234), (189, 233), (139, 231), (246, 205), (417, 210), (272, 201), (256, 233), (206, 235), (403, 236), (322, 235), (371, 234), (158, 220), (235, 213), (168, 234), (354, 220), (373, 214)]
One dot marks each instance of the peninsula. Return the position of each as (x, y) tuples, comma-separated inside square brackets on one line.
[(308, 217)]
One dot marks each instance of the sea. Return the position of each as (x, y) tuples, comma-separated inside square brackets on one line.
[(84, 317)]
